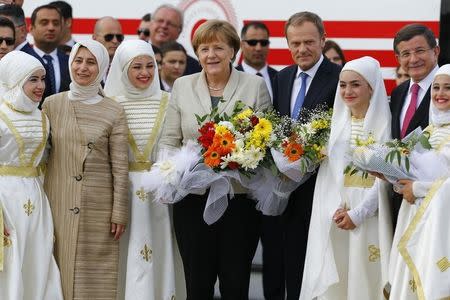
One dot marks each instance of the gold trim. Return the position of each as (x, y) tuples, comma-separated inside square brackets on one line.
[(374, 253), (443, 264), (139, 166), (356, 180), (142, 195), (11, 107), (146, 253), (29, 207), (22, 171), (141, 157), (17, 136), (41, 146), (402, 245)]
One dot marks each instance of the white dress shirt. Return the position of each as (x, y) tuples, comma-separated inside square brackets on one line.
[(298, 81), (54, 55), (264, 72), (166, 86), (424, 85)]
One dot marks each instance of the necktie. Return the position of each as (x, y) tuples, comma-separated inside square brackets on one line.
[(411, 109), (50, 73), (300, 97), (259, 74)]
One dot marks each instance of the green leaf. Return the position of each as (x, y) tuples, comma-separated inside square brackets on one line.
[(399, 158), (199, 119), (407, 163), (423, 139)]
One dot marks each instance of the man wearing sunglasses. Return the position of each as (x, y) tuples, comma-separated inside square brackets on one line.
[(143, 31), (15, 14), (7, 36), (108, 31), (255, 47)]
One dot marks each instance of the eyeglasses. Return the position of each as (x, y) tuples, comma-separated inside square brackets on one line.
[(8, 40), (263, 43), (110, 36), (143, 31), (419, 52)]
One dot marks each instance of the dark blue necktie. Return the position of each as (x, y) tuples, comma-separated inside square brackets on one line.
[(50, 73), (300, 97)]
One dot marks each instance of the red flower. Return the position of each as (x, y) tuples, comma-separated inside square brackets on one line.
[(207, 132), (233, 165), (254, 120)]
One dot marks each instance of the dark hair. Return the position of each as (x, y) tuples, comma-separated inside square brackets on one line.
[(15, 12), (64, 8), (305, 16), (172, 46), (5, 22), (329, 44), (156, 50), (413, 30), (47, 6), (256, 25), (146, 17)]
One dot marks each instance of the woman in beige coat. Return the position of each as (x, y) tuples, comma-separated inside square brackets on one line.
[(87, 177), (224, 249)]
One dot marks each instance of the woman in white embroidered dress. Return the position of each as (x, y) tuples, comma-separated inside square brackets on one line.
[(29, 268), (149, 255), (420, 257), (348, 248)]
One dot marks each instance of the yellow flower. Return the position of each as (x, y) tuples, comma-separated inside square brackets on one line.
[(257, 140), (264, 128), (368, 141), (244, 114), (319, 124), (221, 130)]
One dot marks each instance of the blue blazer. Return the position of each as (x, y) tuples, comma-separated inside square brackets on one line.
[(64, 70)]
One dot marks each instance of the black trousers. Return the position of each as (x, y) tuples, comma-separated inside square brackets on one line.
[(273, 257), (296, 219), (224, 249)]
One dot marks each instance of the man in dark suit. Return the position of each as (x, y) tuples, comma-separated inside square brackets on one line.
[(255, 47), (166, 25), (46, 25), (17, 16), (417, 53), (312, 81)]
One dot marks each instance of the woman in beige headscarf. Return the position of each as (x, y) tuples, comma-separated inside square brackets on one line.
[(148, 262), (27, 267), (87, 177)]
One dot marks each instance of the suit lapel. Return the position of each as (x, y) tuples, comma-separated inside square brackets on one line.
[(397, 105), (203, 93), (317, 84), (286, 92), (421, 113)]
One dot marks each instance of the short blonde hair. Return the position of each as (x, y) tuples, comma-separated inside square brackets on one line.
[(216, 30)]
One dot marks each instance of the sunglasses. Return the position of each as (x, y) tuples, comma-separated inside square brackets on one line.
[(263, 43), (9, 41), (145, 32), (110, 36)]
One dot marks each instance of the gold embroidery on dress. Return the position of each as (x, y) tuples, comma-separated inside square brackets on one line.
[(142, 195), (29, 207), (173, 297), (374, 253), (7, 241), (443, 264), (146, 253), (412, 285)]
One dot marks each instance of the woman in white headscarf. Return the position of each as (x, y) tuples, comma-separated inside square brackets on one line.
[(87, 177), (27, 267), (148, 268), (420, 257), (349, 243)]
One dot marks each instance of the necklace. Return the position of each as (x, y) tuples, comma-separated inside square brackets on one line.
[(215, 89)]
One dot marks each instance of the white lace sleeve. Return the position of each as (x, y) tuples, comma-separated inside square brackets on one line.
[(367, 208)]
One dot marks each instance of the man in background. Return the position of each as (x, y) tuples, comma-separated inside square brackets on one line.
[(17, 16), (165, 26), (7, 36), (66, 42), (108, 32), (255, 47), (173, 64), (143, 31)]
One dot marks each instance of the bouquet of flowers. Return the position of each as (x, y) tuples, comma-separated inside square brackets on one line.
[(296, 151), (399, 159)]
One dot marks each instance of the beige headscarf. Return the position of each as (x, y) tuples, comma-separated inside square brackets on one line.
[(15, 69), (118, 83), (94, 89)]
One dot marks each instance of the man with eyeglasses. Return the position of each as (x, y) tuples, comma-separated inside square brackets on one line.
[(417, 52), (165, 26), (17, 16), (108, 32), (143, 31), (7, 36), (46, 26), (255, 47)]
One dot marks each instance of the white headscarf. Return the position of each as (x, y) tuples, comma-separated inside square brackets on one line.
[(79, 92), (118, 83), (15, 69), (320, 269), (438, 117)]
